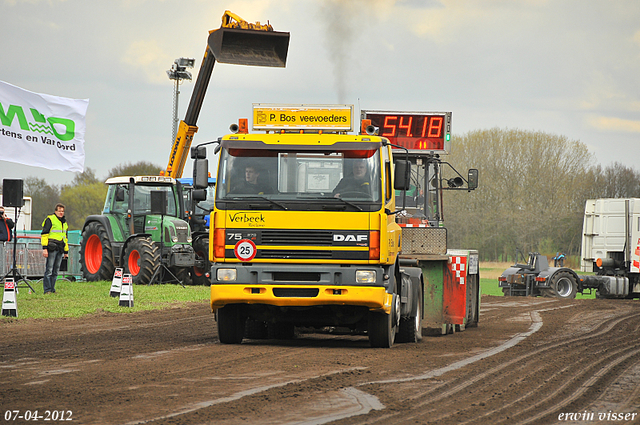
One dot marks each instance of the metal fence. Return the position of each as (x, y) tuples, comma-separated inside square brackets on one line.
[(30, 262)]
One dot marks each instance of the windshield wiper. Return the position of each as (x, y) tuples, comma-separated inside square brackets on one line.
[(325, 198), (243, 198), (349, 203)]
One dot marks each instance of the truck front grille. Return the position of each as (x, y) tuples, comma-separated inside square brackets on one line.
[(297, 237)]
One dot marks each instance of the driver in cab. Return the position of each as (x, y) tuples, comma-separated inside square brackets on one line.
[(355, 184), (252, 184)]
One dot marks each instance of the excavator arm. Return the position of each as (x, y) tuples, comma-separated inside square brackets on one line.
[(236, 42)]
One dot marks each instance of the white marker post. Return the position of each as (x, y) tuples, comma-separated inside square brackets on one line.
[(9, 301), (126, 291), (116, 283)]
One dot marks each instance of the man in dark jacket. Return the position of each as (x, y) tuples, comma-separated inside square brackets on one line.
[(6, 224), (55, 246)]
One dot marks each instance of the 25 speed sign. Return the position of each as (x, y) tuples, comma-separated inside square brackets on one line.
[(245, 250)]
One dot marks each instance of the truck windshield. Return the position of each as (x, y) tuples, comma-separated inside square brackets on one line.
[(352, 176)]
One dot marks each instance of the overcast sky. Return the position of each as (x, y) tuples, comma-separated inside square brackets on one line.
[(570, 67)]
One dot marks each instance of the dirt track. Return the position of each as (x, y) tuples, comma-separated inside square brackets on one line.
[(529, 361)]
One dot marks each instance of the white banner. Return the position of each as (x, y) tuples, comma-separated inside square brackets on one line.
[(42, 130)]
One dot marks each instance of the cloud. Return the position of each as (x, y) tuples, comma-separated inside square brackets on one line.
[(615, 124), (148, 56)]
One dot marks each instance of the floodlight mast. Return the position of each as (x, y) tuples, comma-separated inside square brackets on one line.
[(178, 72)]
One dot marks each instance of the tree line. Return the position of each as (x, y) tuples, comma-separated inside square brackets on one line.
[(533, 188), (532, 194), (84, 196)]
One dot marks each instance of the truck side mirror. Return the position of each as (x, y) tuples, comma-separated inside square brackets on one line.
[(200, 173), (473, 179), (402, 177), (199, 195), (198, 152)]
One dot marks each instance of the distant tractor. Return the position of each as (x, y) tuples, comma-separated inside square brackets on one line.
[(536, 278)]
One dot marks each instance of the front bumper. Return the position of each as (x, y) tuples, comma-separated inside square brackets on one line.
[(301, 285)]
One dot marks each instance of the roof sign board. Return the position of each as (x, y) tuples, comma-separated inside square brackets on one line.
[(330, 118)]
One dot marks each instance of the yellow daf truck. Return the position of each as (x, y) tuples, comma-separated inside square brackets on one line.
[(303, 232)]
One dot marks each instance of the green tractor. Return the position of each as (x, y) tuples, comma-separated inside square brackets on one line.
[(140, 230)]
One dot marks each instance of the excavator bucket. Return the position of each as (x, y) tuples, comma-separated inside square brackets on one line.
[(249, 47)]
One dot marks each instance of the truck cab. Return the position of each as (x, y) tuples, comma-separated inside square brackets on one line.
[(303, 233)]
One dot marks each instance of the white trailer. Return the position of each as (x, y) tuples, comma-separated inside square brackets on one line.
[(611, 247)]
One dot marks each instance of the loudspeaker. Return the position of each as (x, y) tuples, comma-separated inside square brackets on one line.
[(12, 193), (158, 202)]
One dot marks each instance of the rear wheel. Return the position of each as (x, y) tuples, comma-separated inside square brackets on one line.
[(382, 327), (231, 324), (563, 285), (96, 254), (141, 259), (411, 327), (198, 275)]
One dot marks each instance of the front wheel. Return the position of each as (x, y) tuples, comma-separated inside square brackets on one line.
[(96, 254), (563, 285), (141, 259), (231, 324), (382, 327)]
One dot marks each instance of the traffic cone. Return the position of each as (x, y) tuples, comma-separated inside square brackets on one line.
[(9, 302), (116, 283), (126, 291)]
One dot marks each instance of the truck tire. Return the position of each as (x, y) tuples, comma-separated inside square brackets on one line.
[(382, 327), (198, 275), (231, 324), (563, 285), (96, 254), (141, 259), (411, 327)]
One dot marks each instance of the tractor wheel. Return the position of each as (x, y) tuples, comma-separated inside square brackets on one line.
[(563, 285), (96, 254), (198, 275), (141, 259), (231, 323), (382, 327)]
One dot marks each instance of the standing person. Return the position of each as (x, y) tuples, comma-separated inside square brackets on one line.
[(55, 246), (6, 224)]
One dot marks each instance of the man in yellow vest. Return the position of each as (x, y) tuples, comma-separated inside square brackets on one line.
[(55, 246)]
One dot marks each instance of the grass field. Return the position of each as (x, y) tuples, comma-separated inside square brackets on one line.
[(74, 299)]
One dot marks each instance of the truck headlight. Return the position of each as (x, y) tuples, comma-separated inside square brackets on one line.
[(365, 276), (226, 275)]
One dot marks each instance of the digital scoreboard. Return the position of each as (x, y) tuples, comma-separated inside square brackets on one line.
[(416, 131)]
